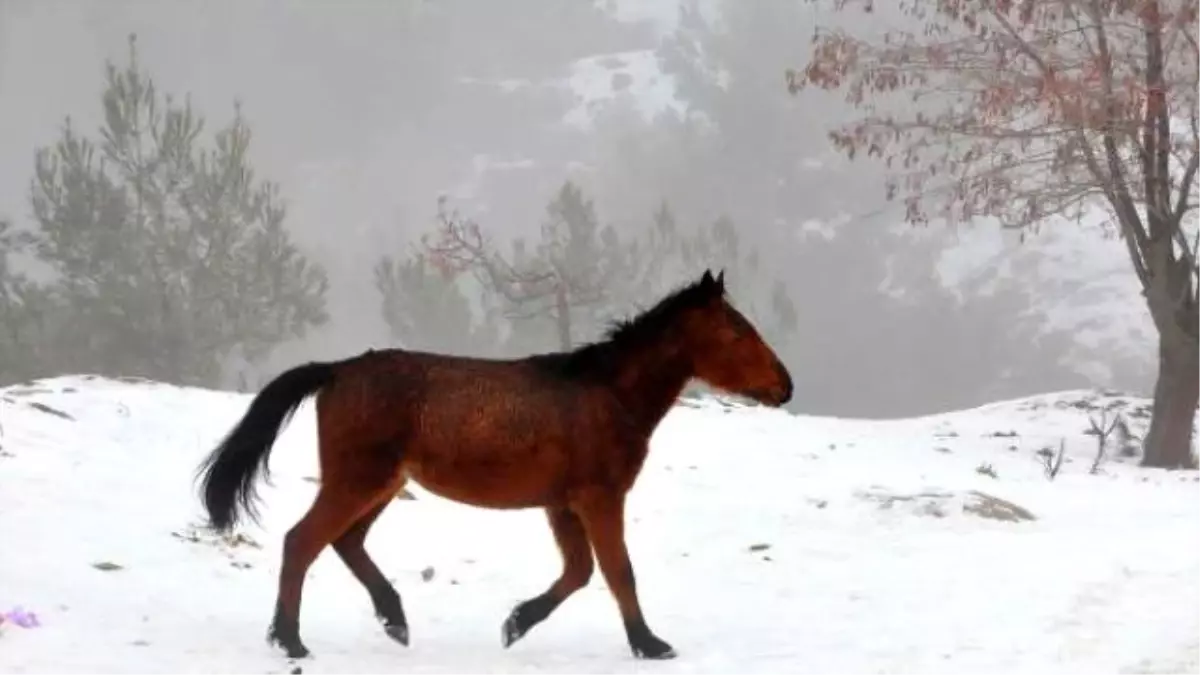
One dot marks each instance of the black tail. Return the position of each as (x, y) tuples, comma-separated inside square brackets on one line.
[(230, 471)]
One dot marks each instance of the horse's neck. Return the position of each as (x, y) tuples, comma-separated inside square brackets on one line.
[(649, 383)]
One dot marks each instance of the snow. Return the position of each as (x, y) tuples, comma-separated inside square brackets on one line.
[(1106, 579), (596, 81)]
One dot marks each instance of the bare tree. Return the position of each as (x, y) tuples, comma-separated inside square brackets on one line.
[(569, 270), (1102, 428), (1052, 461), (1021, 110)]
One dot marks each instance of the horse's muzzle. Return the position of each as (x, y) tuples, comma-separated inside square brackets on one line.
[(785, 379)]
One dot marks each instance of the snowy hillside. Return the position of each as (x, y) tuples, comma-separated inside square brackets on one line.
[(762, 542), (1078, 280)]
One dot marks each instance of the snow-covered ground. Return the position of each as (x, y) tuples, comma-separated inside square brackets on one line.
[(762, 542)]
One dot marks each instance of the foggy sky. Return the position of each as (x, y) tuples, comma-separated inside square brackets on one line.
[(323, 86), (335, 94)]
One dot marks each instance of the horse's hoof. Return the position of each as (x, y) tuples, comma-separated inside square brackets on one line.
[(397, 631), (292, 647), (295, 650), (513, 629), (654, 649)]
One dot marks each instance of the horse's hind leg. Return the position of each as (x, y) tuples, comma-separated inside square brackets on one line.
[(350, 547), (331, 514), (577, 570), (603, 517)]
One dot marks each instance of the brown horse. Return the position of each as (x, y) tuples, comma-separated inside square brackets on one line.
[(567, 432)]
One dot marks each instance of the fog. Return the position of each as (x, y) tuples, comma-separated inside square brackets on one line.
[(366, 113)]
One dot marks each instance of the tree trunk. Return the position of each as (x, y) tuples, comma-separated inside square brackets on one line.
[(1168, 443)]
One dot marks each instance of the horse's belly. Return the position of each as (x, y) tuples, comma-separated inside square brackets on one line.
[(498, 483)]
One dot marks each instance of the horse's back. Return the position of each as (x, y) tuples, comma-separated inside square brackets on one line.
[(504, 403)]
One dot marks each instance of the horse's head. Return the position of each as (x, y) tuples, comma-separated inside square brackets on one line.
[(727, 351)]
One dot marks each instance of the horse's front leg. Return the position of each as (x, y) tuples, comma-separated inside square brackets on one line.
[(577, 570), (603, 517)]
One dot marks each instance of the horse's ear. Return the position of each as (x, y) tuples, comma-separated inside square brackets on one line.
[(721, 279), (707, 279)]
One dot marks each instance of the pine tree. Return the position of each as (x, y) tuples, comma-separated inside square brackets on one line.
[(426, 309), (23, 305), (171, 258)]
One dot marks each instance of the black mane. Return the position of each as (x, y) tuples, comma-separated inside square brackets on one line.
[(601, 356)]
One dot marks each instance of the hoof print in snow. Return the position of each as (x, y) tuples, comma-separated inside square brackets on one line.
[(986, 469), (755, 548), (296, 670), (107, 566), (1002, 434), (942, 449), (140, 643), (427, 574)]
